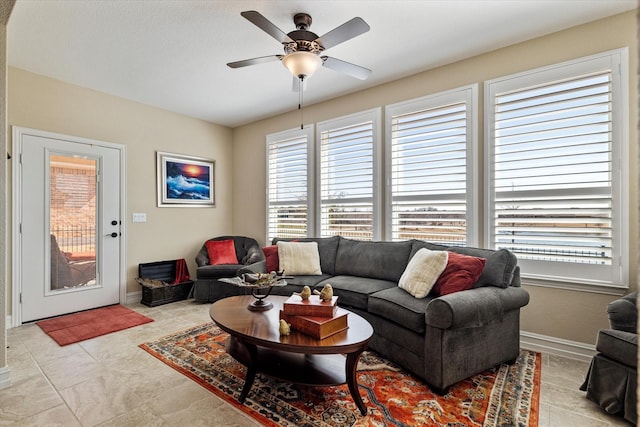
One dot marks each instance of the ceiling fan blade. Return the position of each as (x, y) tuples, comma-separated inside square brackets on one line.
[(265, 25), (295, 87), (346, 68), (254, 61), (344, 32)]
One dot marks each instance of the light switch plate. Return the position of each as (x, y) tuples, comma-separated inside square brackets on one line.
[(139, 217)]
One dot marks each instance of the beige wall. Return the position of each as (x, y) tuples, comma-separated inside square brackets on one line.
[(569, 315), (46, 104), (42, 103)]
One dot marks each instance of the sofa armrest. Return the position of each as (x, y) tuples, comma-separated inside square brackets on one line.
[(475, 307), (202, 257), (256, 267)]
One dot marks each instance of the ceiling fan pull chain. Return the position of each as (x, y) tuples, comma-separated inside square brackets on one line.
[(301, 77)]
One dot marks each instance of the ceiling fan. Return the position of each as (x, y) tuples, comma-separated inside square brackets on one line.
[(303, 48)]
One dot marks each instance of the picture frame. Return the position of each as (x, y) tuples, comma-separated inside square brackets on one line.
[(185, 181)]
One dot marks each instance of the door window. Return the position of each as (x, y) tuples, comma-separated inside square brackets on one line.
[(72, 221)]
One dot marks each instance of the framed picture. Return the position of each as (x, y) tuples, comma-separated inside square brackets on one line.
[(185, 181)]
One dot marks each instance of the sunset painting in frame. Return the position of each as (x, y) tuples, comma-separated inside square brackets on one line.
[(185, 180)]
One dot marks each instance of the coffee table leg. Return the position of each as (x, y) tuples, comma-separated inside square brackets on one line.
[(352, 368), (251, 372)]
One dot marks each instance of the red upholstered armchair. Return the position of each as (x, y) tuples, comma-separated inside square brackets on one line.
[(249, 258)]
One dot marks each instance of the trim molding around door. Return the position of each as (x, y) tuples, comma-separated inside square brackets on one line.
[(17, 135)]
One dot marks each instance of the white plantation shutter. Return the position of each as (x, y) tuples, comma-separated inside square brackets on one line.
[(556, 179), (430, 163), (553, 153), (347, 174), (288, 157)]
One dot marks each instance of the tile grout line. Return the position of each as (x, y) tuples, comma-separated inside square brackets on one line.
[(53, 387)]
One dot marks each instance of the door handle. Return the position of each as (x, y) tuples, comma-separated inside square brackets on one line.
[(114, 234)]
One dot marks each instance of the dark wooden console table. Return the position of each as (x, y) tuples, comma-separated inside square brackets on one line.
[(255, 341)]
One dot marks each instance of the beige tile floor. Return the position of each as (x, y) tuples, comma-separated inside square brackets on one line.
[(109, 381)]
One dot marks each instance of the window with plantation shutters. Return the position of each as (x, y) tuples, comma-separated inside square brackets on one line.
[(348, 176), (430, 158), (557, 179), (288, 160)]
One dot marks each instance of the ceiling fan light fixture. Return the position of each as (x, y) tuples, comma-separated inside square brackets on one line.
[(302, 64)]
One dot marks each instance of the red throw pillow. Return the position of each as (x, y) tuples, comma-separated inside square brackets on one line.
[(461, 273), (221, 252), (273, 261)]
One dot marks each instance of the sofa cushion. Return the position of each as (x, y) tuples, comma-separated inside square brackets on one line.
[(398, 306), (327, 248), (299, 258), (377, 260), (422, 271), (499, 269), (218, 271), (301, 280), (354, 291), (221, 252), (286, 291), (618, 345), (461, 273)]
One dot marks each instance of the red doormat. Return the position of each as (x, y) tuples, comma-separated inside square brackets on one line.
[(77, 327), (507, 395)]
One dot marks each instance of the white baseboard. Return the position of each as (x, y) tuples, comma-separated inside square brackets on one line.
[(557, 346), (5, 379), (133, 297)]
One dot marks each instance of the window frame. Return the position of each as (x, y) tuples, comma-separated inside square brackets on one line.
[(469, 95), (534, 272)]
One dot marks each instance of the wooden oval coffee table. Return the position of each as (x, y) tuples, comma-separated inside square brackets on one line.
[(255, 341)]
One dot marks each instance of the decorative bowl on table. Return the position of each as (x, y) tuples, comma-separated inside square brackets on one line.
[(260, 284)]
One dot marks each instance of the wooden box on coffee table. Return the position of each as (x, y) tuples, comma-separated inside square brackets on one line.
[(314, 317)]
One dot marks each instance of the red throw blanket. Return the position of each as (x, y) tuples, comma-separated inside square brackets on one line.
[(182, 271)]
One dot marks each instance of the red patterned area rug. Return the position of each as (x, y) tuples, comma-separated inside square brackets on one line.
[(507, 395), (73, 328)]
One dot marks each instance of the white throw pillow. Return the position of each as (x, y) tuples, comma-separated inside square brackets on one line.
[(422, 272), (299, 258)]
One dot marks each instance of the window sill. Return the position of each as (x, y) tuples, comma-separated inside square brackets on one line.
[(576, 286)]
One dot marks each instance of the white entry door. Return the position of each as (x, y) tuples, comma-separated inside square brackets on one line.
[(68, 223)]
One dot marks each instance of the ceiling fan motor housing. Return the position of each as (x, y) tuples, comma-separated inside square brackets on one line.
[(303, 39)]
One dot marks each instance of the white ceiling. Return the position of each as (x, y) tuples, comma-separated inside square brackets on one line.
[(173, 53)]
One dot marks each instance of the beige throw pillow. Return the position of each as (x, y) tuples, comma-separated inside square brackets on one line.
[(422, 272), (299, 258)]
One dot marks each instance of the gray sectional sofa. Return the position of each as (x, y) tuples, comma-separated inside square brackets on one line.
[(440, 339)]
